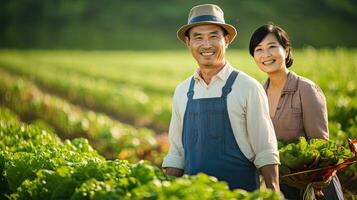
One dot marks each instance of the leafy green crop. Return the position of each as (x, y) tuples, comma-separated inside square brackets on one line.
[(298, 155), (316, 153), (36, 164), (109, 137)]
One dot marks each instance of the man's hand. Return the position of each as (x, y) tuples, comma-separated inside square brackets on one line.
[(271, 176), (171, 171)]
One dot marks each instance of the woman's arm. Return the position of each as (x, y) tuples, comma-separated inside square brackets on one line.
[(314, 111)]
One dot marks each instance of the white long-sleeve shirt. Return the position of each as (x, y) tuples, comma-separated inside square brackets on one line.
[(248, 112)]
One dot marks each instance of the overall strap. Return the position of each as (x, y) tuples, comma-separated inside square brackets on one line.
[(228, 86), (190, 90)]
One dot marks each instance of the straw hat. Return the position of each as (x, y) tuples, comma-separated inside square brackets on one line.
[(206, 14)]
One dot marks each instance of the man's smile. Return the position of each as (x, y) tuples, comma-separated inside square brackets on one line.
[(209, 52)]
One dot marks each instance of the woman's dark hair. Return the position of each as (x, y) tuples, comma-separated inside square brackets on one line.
[(280, 35)]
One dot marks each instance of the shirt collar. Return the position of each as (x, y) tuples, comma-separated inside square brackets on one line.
[(223, 74), (290, 86)]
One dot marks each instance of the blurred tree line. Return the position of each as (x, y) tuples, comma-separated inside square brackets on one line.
[(152, 24)]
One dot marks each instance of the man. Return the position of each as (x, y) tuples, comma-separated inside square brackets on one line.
[(220, 121)]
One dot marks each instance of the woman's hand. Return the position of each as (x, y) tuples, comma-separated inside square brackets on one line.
[(320, 185)]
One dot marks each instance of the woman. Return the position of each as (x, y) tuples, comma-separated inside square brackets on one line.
[(297, 106)]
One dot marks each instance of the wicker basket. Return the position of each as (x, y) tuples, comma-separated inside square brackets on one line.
[(301, 179)]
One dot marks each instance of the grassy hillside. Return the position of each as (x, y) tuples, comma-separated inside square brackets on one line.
[(112, 24)]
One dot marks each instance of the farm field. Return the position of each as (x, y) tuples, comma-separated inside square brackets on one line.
[(121, 101), (36, 164)]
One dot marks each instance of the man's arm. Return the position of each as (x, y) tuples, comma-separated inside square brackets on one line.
[(171, 171), (271, 176), (173, 162), (262, 137)]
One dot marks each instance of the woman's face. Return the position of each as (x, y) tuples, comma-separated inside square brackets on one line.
[(269, 55)]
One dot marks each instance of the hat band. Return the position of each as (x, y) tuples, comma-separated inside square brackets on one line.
[(205, 18)]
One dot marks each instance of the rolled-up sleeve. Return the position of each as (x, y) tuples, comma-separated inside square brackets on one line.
[(260, 129), (175, 156), (314, 112)]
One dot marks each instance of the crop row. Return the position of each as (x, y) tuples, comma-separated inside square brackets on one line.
[(128, 103), (36, 164), (111, 138), (137, 87), (126, 67)]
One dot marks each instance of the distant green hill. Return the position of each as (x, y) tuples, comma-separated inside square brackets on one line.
[(152, 24)]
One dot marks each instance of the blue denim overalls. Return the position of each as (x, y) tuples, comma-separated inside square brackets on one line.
[(209, 143)]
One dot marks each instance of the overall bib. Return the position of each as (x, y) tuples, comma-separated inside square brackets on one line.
[(209, 143)]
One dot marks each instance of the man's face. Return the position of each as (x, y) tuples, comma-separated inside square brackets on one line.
[(207, 44)]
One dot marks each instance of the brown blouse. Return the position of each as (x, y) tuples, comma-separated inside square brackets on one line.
[(301, 110)]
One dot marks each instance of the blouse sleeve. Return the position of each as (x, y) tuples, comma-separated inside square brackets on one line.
[(314, 112)]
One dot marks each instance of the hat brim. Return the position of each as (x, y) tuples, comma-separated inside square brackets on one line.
[(232, 32)]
